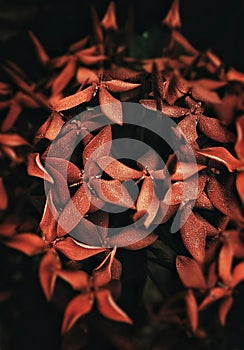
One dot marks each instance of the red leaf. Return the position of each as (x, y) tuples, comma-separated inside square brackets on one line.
[(223, 199), (99, 146), (86, 76), (110, 106), (119, 85), (26, 243), (118, 170), (225, 263), (102, 274), (75, 100), (224, 308), (13, 113), (234, 75), (238, 274), (190, 273), (97, 28), (172, 20), (89, 60), (180, 39), (7, 230), (48, 272), (12, 140), (109, 309), (35, 168), (41, 53), (194, 233), (240, 185), (188, 127), (75, 250), (199, 93), (66, 168), (62, 80), (191, 310), (214, 295), (48, 224), (113, 192), (183, 171), (75, 209), (220, 154), (51, 127), (109, 20), (239, 146), (203, 202), (78, 45), (79, 280), (213, 129), (3, 196), (142, 243), (77, 307)]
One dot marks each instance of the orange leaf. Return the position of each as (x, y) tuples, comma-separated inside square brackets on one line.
[(77, 307), (119, 85), (224, 308), (7, 230), (75, 209), (48, 272), (75, 250), (188, 127), (240, 185), (110, 106), (3, 196), (172, 20), (222, 155), (35, 168), (238, 274), (190, 273), (102, 274), (13, 113), (223, 199), (79, 280), (109, 309), (51, 127), (225, 262), (117, 170), (41, 53), (183, 170), (212, 128), (12, 140), (191, 310), (239, 146), (214, 295), (48, 224), (26, 243), (99, 146), (86, 76), (75, 100), (109, 20), (62, 80)]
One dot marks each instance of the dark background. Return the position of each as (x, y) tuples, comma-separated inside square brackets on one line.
[(211, 24)]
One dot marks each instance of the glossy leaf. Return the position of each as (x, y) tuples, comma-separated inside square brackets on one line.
[(75, 100), (35, 168), (188, 127), (118, 170), (212, 128), (110, 106), (119, 85)]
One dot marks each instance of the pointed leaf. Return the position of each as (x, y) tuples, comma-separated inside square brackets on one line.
[(109, 309), (184, 170), (86, 76), (119, 85), (225, 263), (11, 117), (238, 274), (78, 280), (77, 307), (63, 79), (239, 146), (224, 308), (102, 274), (191, 310), (12, 140), (213, 129), (214, 295), (75, 209), (75, 100), (222, 155), (190, 273), (117, 170), (110, 106), (27, 243), (41, 53), (48, 271), (99, 146), (75, 250), (35, 168), (109, 20), (188, 127), (240, 185), (172, 20)]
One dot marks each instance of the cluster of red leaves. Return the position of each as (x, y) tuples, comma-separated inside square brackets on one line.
[(204, 98)]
